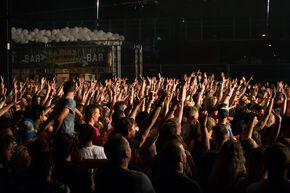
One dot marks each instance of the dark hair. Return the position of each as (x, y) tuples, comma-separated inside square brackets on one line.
[(5, 141), (169, 128), (256, 170), (220, 132), (34, 112), (62, 147), (124, 125), (90, 110), (43, 165), (115, 148), (68, 86), (86, 132), (276, 157), (229, 164), (142, 119), (118, 106), (171, 153), (116, 117)]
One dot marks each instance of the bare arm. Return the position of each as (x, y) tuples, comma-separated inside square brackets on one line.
[(248, 131), (204, 132), (59, 119)]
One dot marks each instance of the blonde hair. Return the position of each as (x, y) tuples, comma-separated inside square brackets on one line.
[(210, 123), (210, 102)]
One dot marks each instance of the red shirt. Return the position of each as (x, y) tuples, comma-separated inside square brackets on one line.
[(97, 139)]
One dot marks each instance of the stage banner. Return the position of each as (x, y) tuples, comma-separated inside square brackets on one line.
[(62, 57)]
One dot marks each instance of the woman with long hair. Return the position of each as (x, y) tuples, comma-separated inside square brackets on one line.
[(229, 167)]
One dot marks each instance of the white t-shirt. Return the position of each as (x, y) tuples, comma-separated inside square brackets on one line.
[(92, 152)]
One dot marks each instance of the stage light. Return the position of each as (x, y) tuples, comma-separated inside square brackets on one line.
[(264, 35), (270, 45), (158, 38)]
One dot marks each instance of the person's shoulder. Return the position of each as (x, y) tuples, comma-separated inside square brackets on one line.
[(56, 186), (256, 187), (137, 174)]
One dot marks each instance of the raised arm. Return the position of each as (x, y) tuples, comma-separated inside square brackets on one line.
[(203, 130)]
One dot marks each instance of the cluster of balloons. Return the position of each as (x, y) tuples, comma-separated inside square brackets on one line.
[(66, 34)]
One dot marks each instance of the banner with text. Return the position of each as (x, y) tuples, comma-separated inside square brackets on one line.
[(62, 57)]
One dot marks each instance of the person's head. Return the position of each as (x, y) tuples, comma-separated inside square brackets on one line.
[(256, 170), (120, 106), (258, 110), (213, 112), (126, 126), (229, 163), (63, 146), (249, 145), (173, 156), (223, 113), (44, 166), (6, 148), (142, 119), (210, 102), (277, 160), (116, 118), (190, 113), (20, 159), (36, 99), (220, 135), (68, 87), (118, 151), (170, 127), (92, 112), (26, 130), (85, 133)]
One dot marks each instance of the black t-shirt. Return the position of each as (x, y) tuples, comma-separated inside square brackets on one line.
[(176, 182), (114, 179), (5, 185), (75, 177), (269, 186)]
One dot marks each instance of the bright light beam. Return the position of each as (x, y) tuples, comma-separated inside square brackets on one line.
[(268, 14)]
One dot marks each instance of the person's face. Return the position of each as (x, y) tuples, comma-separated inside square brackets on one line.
[(184, 157), (96, 115), (195, 116), (38, 100), (133, 131), (128, 149), (24, 102), (123, 107), (9, 152), (28, 158)]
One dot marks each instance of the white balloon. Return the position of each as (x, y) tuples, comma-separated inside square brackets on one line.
[(54, 32), (25, 31), (32, 33), (48, 33), (18, 31)]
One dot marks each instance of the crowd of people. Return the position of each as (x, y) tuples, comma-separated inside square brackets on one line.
[(199, 133)]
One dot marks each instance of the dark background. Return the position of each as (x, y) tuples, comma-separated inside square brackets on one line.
[(178, 36)]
